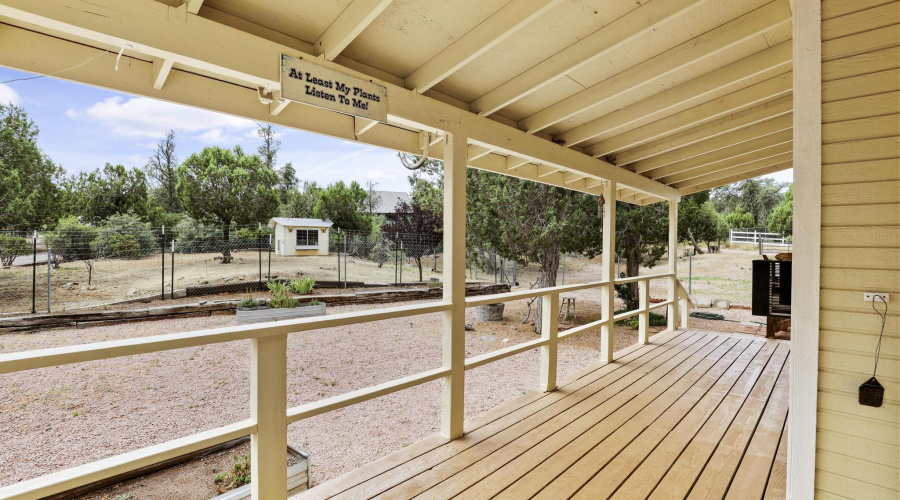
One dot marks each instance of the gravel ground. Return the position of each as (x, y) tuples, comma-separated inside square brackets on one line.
[(60, 417)]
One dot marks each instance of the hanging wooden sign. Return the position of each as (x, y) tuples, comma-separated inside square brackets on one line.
[(307, 82)]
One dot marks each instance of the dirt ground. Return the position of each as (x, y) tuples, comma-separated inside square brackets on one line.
[(724, 275), (55, 418)]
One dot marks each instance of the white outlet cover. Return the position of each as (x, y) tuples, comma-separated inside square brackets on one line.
[(870, 296)]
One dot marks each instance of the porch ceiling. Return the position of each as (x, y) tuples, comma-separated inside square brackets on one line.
[(666, 97)]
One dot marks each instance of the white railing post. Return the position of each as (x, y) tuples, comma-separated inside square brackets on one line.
[(644, 317), (454, 320), (549, 331), (268, 409), (607, 272), (685, 312), (673, 265)]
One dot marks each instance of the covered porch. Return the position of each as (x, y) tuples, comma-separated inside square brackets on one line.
[(689, 415)]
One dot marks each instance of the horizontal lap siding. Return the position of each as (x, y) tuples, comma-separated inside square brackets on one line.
[(858, 447)]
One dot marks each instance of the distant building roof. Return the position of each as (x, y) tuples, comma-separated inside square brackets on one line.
[(389, 200), (292, 222)]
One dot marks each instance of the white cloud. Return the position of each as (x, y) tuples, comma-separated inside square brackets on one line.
[(214, 136), (143, 117), (8, 95)]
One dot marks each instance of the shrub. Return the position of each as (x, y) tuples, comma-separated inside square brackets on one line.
[(249, 303), (281, 295), (634, 321), (193, 237), (125, 236), (302, 286), (72, 240), (11, 247), (313, 302)]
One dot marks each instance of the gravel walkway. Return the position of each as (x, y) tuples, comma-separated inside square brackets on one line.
[(60, 417)]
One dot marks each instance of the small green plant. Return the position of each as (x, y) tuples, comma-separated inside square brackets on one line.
[(75, 414), (302, 286), (219, 478), (634, 321), (281, 295), (314, 302), (240, 471), (249, 302)]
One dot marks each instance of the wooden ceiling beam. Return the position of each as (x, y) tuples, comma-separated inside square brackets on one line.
[(511, 18), (702, 131), (193, 6), (694, 92), (711, 44), (631, 26), (739, 169), (707, 146), (761, 155), (757, 102), (348, 25), (722, 181), (161, 69)]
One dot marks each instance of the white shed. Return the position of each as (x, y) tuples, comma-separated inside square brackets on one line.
[(300, 236)]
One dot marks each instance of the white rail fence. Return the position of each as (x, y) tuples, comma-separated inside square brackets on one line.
[(269, 415), (761, 239)]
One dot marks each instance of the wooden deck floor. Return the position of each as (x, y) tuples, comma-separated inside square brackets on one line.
[(692, 415)]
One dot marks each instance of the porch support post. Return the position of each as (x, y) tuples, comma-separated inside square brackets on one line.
[(608, 271), (673, 265), (454, 321), (644, 317), (549, 331), (268, 409)]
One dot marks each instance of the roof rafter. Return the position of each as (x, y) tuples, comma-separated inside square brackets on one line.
[(691, 93), (618, 33), (760, 155), (708, 146), (510, 18), (348, 25), (703, 131), (193, 6), (738, 169), (721, 181), (708, 45)]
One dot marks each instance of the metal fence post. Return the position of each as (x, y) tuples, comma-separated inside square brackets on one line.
[(564, 269), (172, 284), (345, 260), (259, 252), (34, 276), (690, 269), (269, 274), (162, 248), (48, 281)]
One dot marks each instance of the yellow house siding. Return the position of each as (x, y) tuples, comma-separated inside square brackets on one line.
[(858, 447)]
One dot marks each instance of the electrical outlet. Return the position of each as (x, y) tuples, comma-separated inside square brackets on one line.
[(870, 296)]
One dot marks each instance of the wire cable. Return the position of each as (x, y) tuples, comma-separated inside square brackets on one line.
[(883, 321), (59, 71)]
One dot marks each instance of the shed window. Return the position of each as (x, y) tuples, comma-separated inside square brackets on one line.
[(307, 237)]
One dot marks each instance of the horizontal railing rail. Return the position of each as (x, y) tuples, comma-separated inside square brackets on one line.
[(265, 357)]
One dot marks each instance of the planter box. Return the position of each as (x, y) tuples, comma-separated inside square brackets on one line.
[(264, 313), (489, 312), (297, 478)]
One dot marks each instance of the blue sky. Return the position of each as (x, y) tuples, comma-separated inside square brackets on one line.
[(83, 128)]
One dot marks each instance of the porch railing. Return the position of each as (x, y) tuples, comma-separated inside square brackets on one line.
[(269, 415)]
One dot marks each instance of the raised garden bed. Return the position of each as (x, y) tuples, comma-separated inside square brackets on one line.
[(264, 313)]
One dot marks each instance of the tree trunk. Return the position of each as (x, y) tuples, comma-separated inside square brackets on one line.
[(697, 250), (549, 269), (226, 246), (419, 263)]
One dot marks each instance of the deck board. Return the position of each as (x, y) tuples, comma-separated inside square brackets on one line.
[(692, 415)]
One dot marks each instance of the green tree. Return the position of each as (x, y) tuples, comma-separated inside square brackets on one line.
[(12, 247), (642, 234), (287, 179), (268, 150), (300, 201), (531, 222), (757, 197), (416, 229), (228, 187), (782, 218), (72, 240), (697, 220), (373, 197), (161, 169), (112, 190), (126, 236), (740, 219), (345, 206), (29, 196)]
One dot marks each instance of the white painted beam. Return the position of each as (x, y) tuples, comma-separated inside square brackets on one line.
[(746, 107), (362, 125), (161, 69), (640, 21), (509, 19), (686, 135), (760, 159), (476, 152), (278, 103), (724, 181), (348, 25), (650, 72), (784, 159), (773, 126), (193, 6), (169, 32), (613, 129), (608, 273)]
